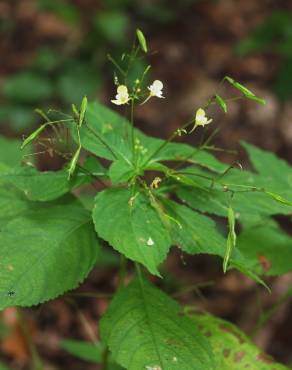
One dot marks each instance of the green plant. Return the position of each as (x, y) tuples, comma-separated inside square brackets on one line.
[(273, 37), (51, 237)]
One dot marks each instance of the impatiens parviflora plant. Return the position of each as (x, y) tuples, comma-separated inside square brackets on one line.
[(149, 194)]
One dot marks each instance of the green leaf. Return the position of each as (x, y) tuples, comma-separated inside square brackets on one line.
[(249, 200), (132, 226), (43, 186), (193, 232), (221, 102), (231, 238), (3, 367), (106, 134), (20, 117), (10, 153), (112, 25), (45, 252), (12, 203), (142, 40), (232, 349), (144, 330), (91, 352), (268, 248), (121, 171), (27, 87), (77, 80)]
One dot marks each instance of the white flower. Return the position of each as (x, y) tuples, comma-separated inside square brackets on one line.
[(201, 119), (122, 96), (156, 89)]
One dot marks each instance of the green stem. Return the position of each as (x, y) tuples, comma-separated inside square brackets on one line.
[(166, 142), (101, 140), (133, 133), (105, 359)]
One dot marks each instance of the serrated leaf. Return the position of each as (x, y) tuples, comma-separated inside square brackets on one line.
[(221, 102), (250, 204), (144, 330), (233, 350), (43, 186), (132, 226), (193, 232), (121, 171), (106, 134), (142, 40), (268, 248), (45, 252)]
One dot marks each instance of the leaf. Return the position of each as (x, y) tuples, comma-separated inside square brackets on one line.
[(112, 25), (91, 352), (43, 186), (10, 153), (28, 87), (132, 226), (221, 102), (231, 239), (249, 199), (192, 231), (106, 134), (142, 40), (77, 80), (120, 171), (45, 252), (276, 173), (268, 248), (144, 330), (233, 350), (3, 367), (195, 233), (12, 204)]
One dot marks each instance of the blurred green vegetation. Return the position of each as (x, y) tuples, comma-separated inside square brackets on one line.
[(57, 77), (274, 37)]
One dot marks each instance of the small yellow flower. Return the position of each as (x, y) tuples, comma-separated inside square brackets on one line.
[(122, 96), (156, 89), (201, 119)]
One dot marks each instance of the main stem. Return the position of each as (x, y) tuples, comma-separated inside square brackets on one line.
[(133, 132)]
